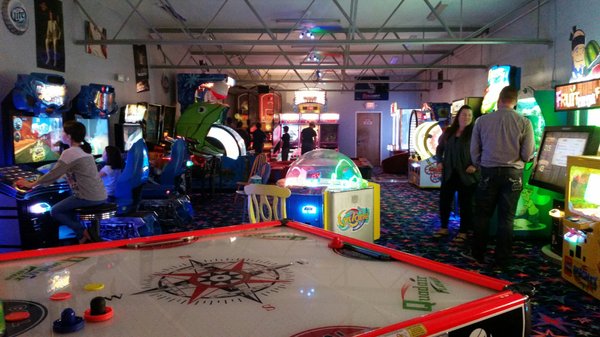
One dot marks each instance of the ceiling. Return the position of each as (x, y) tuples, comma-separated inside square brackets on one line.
[(258, 42)]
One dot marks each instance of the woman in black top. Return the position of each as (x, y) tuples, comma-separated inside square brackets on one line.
[(458, 173)]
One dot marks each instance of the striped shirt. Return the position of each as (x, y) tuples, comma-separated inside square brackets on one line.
[(502, 138), (81, 173)]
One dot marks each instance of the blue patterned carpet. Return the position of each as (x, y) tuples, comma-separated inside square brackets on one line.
[(409, 217)]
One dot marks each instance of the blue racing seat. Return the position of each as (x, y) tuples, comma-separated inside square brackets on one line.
[(132, 178), (170, 178)]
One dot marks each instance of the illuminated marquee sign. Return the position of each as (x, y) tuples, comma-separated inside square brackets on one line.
[(310, 96), (576, 96)]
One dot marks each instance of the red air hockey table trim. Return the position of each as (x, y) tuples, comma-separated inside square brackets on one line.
[(462, 319)]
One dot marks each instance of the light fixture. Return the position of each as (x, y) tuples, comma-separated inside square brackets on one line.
[(306, 33)]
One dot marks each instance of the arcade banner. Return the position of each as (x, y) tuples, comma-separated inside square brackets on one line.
[(50, 45), (576, 96), (93, 32), (140, 62)]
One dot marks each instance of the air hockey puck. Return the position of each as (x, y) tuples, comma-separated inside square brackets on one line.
[(60, 296), (17, 316)]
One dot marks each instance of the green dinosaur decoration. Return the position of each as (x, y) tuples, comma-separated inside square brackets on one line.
[(195, 122)]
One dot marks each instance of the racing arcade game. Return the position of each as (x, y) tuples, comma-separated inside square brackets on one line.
[(31, 122)]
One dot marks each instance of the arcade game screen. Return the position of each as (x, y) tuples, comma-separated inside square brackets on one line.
[(550, 171), (131, 134), (96, 134), (584, 191), (35, 139)]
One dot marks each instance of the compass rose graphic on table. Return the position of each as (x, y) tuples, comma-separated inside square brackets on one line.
[(218, 281)]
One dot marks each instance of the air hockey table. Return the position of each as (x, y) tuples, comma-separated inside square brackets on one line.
[(266, 279)]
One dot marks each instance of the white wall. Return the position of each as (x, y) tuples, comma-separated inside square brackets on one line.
[(542, 66)]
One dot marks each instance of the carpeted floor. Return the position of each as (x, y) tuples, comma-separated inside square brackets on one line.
[(409, 217)]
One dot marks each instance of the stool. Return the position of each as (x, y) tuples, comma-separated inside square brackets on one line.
[(94, 214)]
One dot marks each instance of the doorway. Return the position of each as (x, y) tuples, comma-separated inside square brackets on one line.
[(368, 136)]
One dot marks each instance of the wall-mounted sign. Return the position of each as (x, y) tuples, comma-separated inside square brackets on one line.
[(310, 96), (577, 96), (15, 16)]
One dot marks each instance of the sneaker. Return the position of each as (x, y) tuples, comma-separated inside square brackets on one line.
[(460, 238), (442, 232)]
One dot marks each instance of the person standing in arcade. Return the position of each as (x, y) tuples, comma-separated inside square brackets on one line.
[(258, 139), (285, 143), (81, 173), (458, 173), (501, 144), (307, 138)]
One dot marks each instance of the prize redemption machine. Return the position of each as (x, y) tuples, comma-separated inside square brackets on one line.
[(328, 192), (581, 247), (31, 129), (424, 131)]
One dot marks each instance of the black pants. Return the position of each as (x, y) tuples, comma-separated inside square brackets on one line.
[(306, 148), (285, 152), (465, 202), (499, 186)]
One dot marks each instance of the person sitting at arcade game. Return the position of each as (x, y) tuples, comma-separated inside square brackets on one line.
[(112, 169), (81, 173), (458, 173)]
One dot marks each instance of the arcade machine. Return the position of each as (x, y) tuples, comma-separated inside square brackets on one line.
[(499, 76), (31, 122), (168, 122), (425, 129), (129, 129), (581, 246), (473, 102), (217, 150), (550, 169), (269, 105), (328, 130), (93, 106), (328, 192)]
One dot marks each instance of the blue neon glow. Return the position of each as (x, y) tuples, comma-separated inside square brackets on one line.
[(309, 209), (39, 208)]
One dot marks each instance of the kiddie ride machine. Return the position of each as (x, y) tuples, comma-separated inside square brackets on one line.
[(425, 130), (216, 149), (328, 192), (581, 247)]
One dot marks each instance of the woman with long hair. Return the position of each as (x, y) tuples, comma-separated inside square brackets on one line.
[(458, 173)]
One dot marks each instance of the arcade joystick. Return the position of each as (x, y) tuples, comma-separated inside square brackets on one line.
[(98, 311), (336, 243), (68, 322)]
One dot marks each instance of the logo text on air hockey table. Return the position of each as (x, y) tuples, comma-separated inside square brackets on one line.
[(218, 281), (416, 294)]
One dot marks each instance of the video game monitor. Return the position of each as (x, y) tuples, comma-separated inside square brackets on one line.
[(558, 142)]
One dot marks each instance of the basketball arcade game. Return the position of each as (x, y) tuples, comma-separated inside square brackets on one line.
[(309, 106), (265, 279)]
